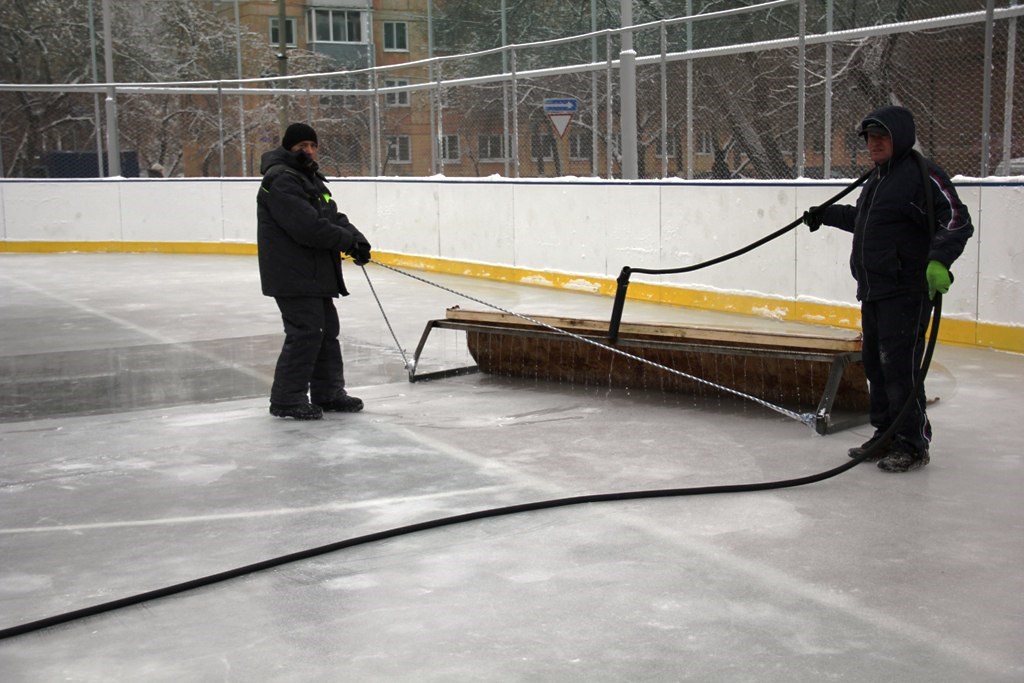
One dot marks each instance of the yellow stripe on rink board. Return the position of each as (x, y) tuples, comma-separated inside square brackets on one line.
[(954, 331), (240, 248)]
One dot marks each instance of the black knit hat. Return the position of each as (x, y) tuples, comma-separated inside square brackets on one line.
[(296, 133)]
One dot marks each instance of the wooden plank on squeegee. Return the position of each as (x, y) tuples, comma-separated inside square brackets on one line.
[(835, 340)]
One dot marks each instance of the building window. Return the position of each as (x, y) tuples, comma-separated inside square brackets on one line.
[(580, 146), (396, 36), (671, 139), (543, 147), (398, 149), (336, 26), (704, 143), (289, 32), (491, 148), (450, 148), (396, 99)]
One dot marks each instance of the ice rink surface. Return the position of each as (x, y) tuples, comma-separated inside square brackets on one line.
[(136, 452)]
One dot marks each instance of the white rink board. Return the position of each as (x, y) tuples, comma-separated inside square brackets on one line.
[(584, 227)]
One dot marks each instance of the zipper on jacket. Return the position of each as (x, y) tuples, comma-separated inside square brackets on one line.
[(863, 235)]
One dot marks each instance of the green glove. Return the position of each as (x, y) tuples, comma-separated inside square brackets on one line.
[(938, 279)]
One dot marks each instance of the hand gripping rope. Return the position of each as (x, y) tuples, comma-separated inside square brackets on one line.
[(166, 591)]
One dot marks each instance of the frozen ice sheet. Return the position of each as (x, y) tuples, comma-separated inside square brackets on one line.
[(864, 577)]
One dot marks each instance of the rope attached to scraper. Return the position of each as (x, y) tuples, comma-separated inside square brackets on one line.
[(406, 362), (805, 418)]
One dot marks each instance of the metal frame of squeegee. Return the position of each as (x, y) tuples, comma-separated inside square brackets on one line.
[(824, 421)]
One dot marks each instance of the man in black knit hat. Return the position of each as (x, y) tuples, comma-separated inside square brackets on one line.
[(300, 238)]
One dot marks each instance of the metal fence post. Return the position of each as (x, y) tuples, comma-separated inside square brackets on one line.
[(436, 150), (309, 104), (986, 97), (113, 139), (609, 134), (593, 90), (515, 117), (826, 162), (627, 95), (505, 133), (1011, 59), (689, 92), (375, 129), (664, 101), (801, 92), (438, 147), (241, 98), (98, 123), (220, 128)]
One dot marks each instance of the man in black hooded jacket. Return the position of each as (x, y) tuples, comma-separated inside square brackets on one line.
[(300, 238), (899, 262)]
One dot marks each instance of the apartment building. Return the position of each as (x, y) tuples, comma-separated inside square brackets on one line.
[(457, 131), (353, 35), (357, 34), (466, 130)]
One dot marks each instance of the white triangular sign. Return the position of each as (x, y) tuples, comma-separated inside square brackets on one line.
[(561, 123)]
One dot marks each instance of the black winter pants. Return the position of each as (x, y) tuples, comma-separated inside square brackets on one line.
[(894, 344), (310, 363)]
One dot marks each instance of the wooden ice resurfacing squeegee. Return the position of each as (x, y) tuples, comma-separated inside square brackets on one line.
[(786, 369)]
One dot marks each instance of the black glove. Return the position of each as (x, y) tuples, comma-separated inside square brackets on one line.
[(360, 251), (812, 217)]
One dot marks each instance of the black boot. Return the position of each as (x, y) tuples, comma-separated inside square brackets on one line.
[(341, 404), (299, 411), (904, 458), (879, 453)]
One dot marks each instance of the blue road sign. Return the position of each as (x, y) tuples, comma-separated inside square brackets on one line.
[(561, 105)]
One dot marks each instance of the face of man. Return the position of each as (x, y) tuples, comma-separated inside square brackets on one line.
[(879, 147), (307, 146)]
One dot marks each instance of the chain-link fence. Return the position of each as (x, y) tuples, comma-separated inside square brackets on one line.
[(770, 90)]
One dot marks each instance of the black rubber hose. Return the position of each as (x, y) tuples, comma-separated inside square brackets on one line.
[(482, 514), (754, 245), (622, 283)]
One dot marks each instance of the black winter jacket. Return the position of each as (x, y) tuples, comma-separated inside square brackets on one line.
[(300, 233), (891, 238)]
